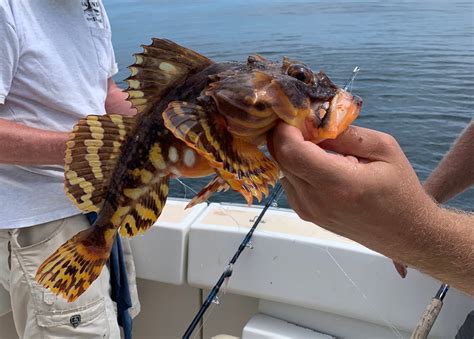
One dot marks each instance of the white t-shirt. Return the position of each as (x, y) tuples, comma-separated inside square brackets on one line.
[(55, 60)]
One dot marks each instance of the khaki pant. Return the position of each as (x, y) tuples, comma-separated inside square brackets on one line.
[(36, 311)]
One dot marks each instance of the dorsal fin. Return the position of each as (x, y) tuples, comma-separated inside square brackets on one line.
[(160, 67), (91, 153)]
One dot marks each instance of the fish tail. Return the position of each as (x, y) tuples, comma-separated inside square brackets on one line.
[(74, 266)]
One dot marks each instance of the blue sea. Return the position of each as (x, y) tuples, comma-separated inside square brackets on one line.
[(416, 58)]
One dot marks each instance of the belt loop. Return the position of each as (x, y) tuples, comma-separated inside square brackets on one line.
[(14, 238)]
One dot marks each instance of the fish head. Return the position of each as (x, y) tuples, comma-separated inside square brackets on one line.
[(254, 97), (312, 102)]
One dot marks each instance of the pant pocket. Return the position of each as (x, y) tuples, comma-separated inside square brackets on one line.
[(37, 310), (34, 235), (89, 321)]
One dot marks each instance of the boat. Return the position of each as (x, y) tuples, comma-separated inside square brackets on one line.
[(295, 280)]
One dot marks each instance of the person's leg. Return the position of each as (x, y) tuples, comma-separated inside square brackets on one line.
[(4, 271), (36, 311)]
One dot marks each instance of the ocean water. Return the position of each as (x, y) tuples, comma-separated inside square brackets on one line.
[(416, 58)]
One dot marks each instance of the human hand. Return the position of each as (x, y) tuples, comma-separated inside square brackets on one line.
[(365, 192), (401, 268)]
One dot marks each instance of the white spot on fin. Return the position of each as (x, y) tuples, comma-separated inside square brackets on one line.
[(168, 68), (189, 157), (172, 154)]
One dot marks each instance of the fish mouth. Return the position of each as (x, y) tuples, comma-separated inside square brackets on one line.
[(331, 118)]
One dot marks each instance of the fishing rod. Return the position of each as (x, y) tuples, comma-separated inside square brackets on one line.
[(212, 296), (430, 314), (229, 268)]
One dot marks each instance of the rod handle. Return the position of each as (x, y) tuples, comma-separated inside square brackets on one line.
[(426, 322)]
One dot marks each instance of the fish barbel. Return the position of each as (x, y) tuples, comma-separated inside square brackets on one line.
[(195, 118)]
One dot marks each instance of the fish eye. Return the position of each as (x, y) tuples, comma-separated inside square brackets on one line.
[(301, 72)]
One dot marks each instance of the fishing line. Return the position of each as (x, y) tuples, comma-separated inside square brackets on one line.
[(213, 296), (211, 311), (187, 187), (208, 202), (383, 319), (232, 217), (229, 269), (388, 323), (275, 201), (350, 82), (236, 222), (205, 319), (218, 300)]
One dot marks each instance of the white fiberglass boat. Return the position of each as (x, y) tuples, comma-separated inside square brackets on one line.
[(297, 280)]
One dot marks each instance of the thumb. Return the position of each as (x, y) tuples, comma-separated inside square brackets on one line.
[(363, 143)]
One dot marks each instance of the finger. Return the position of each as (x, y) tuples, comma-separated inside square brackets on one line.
[(401, 269), (362, 143), (299, 184), (292, 186), (305, 159)]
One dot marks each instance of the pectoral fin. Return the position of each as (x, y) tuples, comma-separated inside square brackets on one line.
[(243, 166), (91, 154)]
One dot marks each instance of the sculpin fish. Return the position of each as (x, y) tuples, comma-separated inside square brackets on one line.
[(195, 118)]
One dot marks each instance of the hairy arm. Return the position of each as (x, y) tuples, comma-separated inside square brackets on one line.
[(455, 172), (369, 192), (443, 247), (23, 145)]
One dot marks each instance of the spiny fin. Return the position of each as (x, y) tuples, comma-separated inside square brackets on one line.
[(160, 67), (74, 266), (146, 209), (242, 165), (217, 184), (91, 154)]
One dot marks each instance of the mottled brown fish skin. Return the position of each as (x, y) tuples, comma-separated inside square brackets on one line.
[(195, 118)]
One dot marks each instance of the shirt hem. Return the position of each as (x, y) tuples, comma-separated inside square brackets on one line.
[(2, 99), (114, 70), (39, 219)]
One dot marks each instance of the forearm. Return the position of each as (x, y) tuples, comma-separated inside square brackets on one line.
[(25, 145), (455, 173), (442, 246), (116, 101)]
